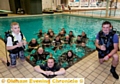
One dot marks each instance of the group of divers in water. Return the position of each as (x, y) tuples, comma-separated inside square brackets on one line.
[(49, 53), (38, 55), (47, 62)]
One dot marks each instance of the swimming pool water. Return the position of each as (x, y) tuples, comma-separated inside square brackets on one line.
[(31, 25)]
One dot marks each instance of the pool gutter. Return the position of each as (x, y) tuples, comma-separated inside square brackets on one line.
[(94, 17)]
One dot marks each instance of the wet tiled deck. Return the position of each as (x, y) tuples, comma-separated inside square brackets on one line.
[(88, 68)]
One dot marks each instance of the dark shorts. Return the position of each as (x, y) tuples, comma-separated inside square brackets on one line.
[(13, 57), (102, 55)]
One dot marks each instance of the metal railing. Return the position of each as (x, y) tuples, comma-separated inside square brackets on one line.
[(99, 12)]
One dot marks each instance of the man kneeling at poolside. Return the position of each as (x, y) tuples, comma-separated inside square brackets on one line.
[(50, 69)]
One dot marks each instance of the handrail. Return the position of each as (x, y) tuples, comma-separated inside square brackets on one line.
[(100, 13), (115, 7), (110, 7), (86, 9), (94, 12)]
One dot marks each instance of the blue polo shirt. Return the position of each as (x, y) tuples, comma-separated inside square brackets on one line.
[(115, 38)]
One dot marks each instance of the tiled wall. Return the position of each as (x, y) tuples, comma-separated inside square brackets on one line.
[(46, 4), (50, 3), (118, 4)]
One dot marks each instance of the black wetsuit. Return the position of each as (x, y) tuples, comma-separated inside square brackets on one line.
[(41, 57), (54, 69), (70, 60), (32, 45), (78, 41), (67, 41), (40, 34), (48, 42), (57, 44)]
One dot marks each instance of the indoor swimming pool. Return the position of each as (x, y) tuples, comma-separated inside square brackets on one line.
[(30, 26)]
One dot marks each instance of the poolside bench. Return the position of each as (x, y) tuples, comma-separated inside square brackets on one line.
[(48, 12), (4, 12)]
